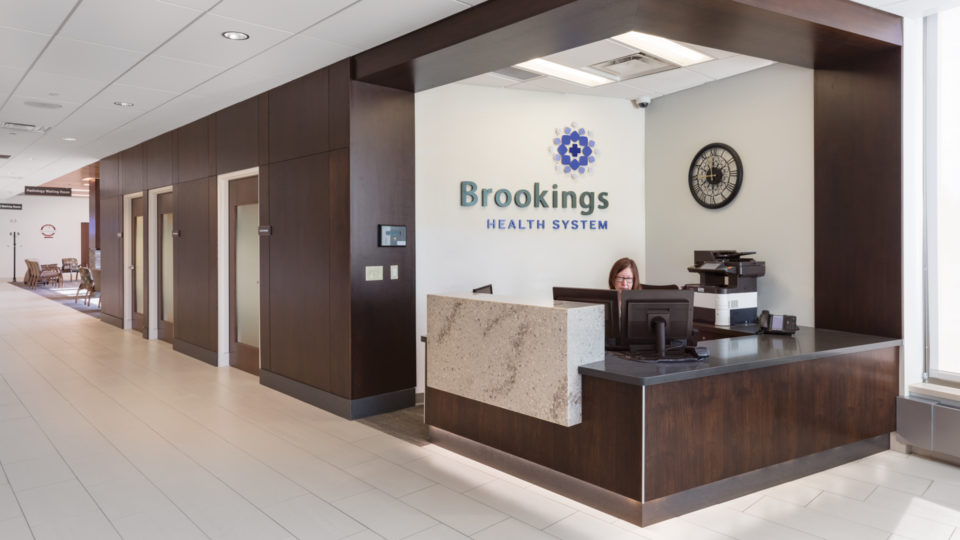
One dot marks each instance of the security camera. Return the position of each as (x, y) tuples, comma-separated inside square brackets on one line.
[(641, 102)]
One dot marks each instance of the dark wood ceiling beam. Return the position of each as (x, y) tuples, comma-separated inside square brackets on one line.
[(500, 33)]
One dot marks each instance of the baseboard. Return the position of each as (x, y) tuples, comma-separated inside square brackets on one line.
[(193, 351), (111, 320), (650, 512), (350, 409)]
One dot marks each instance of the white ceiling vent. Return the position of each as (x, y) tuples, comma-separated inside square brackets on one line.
[(633, 66), (17, 126)]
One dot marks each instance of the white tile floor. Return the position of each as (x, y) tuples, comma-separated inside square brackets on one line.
[(106, 435)]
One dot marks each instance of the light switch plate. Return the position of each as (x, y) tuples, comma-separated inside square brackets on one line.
[(374, 273), (394, 271)]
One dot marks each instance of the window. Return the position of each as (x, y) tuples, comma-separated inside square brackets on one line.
[(943, 192)]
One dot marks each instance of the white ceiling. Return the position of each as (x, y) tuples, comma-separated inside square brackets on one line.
[(725, 64), (169, 59)]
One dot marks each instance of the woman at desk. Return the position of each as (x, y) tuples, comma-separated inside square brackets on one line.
[(623, 275)]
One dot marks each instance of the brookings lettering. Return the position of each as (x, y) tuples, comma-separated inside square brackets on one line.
[(523, 198)]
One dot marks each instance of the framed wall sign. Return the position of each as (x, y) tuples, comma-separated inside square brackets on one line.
[(392, 235)]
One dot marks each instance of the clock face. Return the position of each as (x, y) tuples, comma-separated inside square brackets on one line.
[(715, 175)]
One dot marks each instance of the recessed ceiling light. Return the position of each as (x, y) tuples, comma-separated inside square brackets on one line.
[(560, 71), (235, 36), (663, 48), (70, 139), (123, 104), (43, 105)]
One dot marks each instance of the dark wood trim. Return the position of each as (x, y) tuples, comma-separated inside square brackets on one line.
[(111, 320), (191, 350), (499, 33), (351, 409), (648, 513)]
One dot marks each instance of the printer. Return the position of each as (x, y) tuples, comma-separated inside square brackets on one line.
[(727, 292)]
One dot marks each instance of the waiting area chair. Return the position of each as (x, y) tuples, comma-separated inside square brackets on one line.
[(86, 284), (71, 266), (42, 274)]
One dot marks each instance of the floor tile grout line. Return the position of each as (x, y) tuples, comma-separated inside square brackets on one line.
[(60, 455), (13, 491), (204, 427), (111, 443), (177, 448)]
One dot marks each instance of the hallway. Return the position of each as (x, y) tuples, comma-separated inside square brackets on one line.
[(104, 434)]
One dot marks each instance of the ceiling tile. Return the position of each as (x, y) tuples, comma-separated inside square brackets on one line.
[(169, 74), (667, 82), (714, 53), (9, 77), (19, 48), (288, 15), (86, 60), (136, 25), (592, 53), (12, 142), (295, 57), (473, 2), (728, 67), (44, 17), (202, 5), (618, 90), (372, 22), (202, 41), (16, 111), (89, 123), (143, 99), (40, 85)]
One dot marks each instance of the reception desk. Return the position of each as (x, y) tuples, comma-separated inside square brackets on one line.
[(660, 440)]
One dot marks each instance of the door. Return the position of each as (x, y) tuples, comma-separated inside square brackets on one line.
[(165, 230), (136, 257), (244, 275)]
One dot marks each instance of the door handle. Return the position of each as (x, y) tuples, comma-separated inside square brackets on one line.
[(133, 267)]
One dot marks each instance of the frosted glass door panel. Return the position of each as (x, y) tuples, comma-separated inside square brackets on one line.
[(166, 237), (248, 275), (138, 264)]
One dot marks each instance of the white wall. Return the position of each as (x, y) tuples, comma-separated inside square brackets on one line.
[(64, 213), (767, 117), (499, 139)]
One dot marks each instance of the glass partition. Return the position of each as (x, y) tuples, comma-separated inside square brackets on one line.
[(166, 238), (138, 265), (247, 266)]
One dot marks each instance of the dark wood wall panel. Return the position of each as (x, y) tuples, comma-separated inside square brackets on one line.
[(339, 212), (237, 137), (298, 117), (264, 197), (383, 313), (339, 101), (158, 154), (132, 177), (195, 263), (300, 270), (753, 419), (111, 256), (857, 197), (110, 177), (605, 449), (195, 150)]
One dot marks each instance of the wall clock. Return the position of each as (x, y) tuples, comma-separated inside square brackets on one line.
[(716, 174)]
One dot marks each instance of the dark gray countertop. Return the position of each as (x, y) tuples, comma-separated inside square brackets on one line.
[(730, 355)]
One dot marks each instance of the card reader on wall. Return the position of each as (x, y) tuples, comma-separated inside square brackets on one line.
[(727, 292)]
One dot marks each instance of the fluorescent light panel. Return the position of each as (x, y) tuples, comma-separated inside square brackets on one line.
[(663, 47), (546, 67)]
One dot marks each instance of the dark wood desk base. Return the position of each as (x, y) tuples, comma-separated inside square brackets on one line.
[(648, 453), (665, 508)]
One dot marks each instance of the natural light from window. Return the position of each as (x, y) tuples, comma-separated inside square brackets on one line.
[(945, 362)]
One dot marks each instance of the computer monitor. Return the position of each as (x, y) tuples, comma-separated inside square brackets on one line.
[(486, 289), (606, 297), (656, 322)]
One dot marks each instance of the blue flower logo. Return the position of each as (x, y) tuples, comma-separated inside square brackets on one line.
[(574, 150)]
